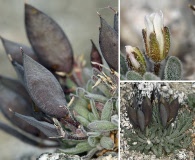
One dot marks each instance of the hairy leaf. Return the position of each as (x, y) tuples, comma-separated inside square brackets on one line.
[(102, 125), (48, 40)]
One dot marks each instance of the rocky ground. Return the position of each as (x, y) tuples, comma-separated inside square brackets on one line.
[(166, 89)]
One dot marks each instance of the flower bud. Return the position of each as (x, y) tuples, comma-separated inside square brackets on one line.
[(156, 37), (135, 59)]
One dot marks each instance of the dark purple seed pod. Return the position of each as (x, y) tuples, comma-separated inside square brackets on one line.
[(19, 70), (95, 56), (24, 138), (141, 119), (108, 40), (163, 115), (132, 116), (44, 88), (134, 104), (116, 22), (48, 129), (13, 49), (13, 97), (173, 108), (48, 40), (147, 110)]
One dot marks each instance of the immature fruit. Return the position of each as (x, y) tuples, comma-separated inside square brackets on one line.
[(95, 56), (44, 88), (48, 40), (108, 39)]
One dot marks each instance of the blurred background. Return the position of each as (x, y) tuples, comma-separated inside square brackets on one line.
[(177, 16), (80, 22)]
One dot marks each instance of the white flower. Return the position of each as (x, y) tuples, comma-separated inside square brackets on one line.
[(130, 50), (160, 40)]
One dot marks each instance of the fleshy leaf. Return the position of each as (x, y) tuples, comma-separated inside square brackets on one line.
[(95, 56), (94, 109), (107, 143), (48, 40), (132, 75), (173, 69), (150, 76), (44, 88), (107, 110), (80, 148), (96, 97), (82, 120), (92, 141), (102, 126), (108, 40)]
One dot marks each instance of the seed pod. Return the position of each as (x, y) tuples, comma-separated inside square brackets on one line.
[(44, 88), (19, 70), (47, 128), (163, 115), (102, 126), (48, 40), (13, 49), (147, 110), (174, 107), (108, 40), (131, 112), (141, 119), (13, 97), (116, 22), (95, 56), (107, 143)]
